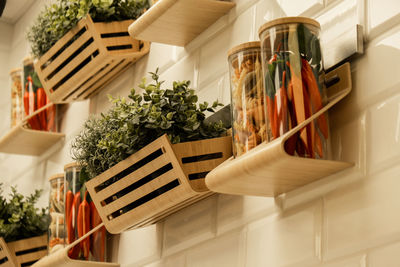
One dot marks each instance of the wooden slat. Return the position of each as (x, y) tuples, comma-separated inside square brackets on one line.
[(111, 27), (134, 177), (30, 257), (72, 65), (28, 243), (183, 20), (66, 54), (123, 40), (103, 81), (151, 208), (112, 75), (74, 82), (6, 253), (140, 192), (60, 43), (89, 80)]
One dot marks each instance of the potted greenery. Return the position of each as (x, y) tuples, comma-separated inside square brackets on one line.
[(82, 45), (23, 226), (127, 153)]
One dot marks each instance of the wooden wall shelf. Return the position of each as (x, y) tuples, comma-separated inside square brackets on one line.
[(177, 22), (268, 170), (60, 257), (23, 141)]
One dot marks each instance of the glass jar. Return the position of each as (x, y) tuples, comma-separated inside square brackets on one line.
[(34, 98), (75, 194), (248, 108), (16, 96), (56, 207), (294, 81)]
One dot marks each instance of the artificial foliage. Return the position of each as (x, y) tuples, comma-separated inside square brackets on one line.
[(19, 218), (60, 17), (133, 123)]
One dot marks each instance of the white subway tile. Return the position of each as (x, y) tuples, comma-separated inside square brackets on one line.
[(235, 211), (176, 260), (384, 134), (213, 55), (140, 246), (185, 69), (212, 92), (387, 256), (297, 8), (353, 261), (226, 250), (290, 239), (161, 56), (190, 226), (383, 14), (348, 143), (362, 215), (266, 11)]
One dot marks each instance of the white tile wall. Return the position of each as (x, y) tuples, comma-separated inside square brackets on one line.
[(356, 224), (387, 256), (362, 215), (289, 239)]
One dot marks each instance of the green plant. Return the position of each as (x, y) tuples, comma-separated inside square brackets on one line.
[(130, 125), (58, 18), (19, 218)]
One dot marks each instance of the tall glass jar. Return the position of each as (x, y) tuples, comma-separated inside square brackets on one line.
[(16, 96), (76, 195), (294, 81), (34, 98), (248, 108), (56, 207)]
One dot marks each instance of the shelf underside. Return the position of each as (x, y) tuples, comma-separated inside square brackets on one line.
[(22, 141), (177, 22)]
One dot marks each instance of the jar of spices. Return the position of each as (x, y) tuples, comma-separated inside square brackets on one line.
[(93, 248), (16, 96), (56, 207), (294, 81), (248, 108)]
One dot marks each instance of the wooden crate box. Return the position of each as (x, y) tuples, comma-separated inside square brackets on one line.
[(26, 252), (7, 259), (87, 58), (156, 181)]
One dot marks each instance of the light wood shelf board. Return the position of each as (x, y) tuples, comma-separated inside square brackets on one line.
[(177, 22), (23, 141), (268, 170)]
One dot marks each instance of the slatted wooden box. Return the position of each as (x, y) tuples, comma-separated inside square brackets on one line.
[(87, 58), (156, 181), (7, 259), (24, 252)]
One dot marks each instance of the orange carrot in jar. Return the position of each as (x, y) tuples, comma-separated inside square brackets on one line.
[(298, 100), (41, 102), (98, 241), (83, 225), (69, 199), (310, 127), (313, 90), (51, 116)]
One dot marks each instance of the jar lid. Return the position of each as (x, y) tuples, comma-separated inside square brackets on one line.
[(56, 176), (15, 70), (27, 60), (72, 165), (244, 46), (288, 20)]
